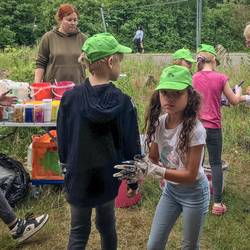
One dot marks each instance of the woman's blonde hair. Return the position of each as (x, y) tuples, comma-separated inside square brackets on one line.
[(203, 58)]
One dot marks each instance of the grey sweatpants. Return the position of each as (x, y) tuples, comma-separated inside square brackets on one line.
[(6, 213), (81, 226)]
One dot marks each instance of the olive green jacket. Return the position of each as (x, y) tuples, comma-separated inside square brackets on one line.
[(58, 56)]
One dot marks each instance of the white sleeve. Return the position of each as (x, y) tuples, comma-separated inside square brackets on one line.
[(198, 136)]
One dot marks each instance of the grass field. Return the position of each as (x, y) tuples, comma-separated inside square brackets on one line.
[(229, 232)]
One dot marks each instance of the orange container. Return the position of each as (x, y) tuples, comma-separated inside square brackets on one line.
[(45, 157), (42, 90)]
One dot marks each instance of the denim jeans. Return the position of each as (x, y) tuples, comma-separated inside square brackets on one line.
[(214, 148), (6, 213), (81, 226), (190, 200)]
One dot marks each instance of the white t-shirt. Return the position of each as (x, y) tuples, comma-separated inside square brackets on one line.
[(167, 140)]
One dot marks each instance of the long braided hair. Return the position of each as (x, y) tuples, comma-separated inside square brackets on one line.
[(190, 114)]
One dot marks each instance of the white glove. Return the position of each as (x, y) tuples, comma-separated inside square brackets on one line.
[(139, 168), (247, 98), (156, 171)]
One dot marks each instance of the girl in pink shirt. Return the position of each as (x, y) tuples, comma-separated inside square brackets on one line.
[(211, 84)]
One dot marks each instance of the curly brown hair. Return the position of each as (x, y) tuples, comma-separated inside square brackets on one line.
[(190, 115)]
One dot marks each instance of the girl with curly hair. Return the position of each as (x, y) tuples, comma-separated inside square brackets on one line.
[(175, 139)]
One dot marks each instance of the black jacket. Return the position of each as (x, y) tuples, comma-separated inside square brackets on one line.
[(97, 128)]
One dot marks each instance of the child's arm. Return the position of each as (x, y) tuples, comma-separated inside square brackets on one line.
[(154, 153), (189, 173), (245, 98), (233, 98), (140, 168), (185, 175)]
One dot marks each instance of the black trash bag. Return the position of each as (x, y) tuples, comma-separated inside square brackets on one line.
[(14, 180)]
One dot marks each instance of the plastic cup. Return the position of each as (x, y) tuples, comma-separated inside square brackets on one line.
[(47, 108)]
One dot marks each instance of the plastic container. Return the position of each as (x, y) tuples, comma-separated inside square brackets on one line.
[(18, 113), (38, 113), (5, 113), (47, 109), (55, 106), (45, 157), (122, 200), (28, 113), (59, 88), (10, 114), (41, 90)]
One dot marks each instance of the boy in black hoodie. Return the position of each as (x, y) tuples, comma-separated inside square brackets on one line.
[(97, 128)]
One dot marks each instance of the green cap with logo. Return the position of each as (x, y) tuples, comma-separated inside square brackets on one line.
[(175, 78), (210, 49), (183, 54), (102, 45)]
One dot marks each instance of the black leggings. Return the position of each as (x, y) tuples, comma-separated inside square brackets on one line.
[(138, 44), (214, 148)]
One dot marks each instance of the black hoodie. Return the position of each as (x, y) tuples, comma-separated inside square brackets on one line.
[(97, 128)]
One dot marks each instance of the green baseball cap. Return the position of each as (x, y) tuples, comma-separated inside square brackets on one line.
[(183, 54), (175, 78), (210, 49), (206, 48), (102, 45)]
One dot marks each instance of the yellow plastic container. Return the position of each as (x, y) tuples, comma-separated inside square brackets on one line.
[(55, 106)]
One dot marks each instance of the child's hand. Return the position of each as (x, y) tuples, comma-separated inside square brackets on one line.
[(7, 100), (237, 89), (131, 193)]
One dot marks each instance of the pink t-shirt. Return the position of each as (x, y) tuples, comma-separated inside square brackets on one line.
[(210, 85)]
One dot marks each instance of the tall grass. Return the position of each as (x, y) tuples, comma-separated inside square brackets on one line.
[(228, 232)]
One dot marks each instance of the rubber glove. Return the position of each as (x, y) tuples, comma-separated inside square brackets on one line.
[(247, 98), (139, 168)]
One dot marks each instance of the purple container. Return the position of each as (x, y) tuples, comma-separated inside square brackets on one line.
[(39, 114)]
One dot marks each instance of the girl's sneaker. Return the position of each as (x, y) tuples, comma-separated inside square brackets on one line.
[(25, 228), (219, 210)]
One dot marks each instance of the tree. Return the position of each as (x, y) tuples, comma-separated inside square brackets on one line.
[(167, 26)]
